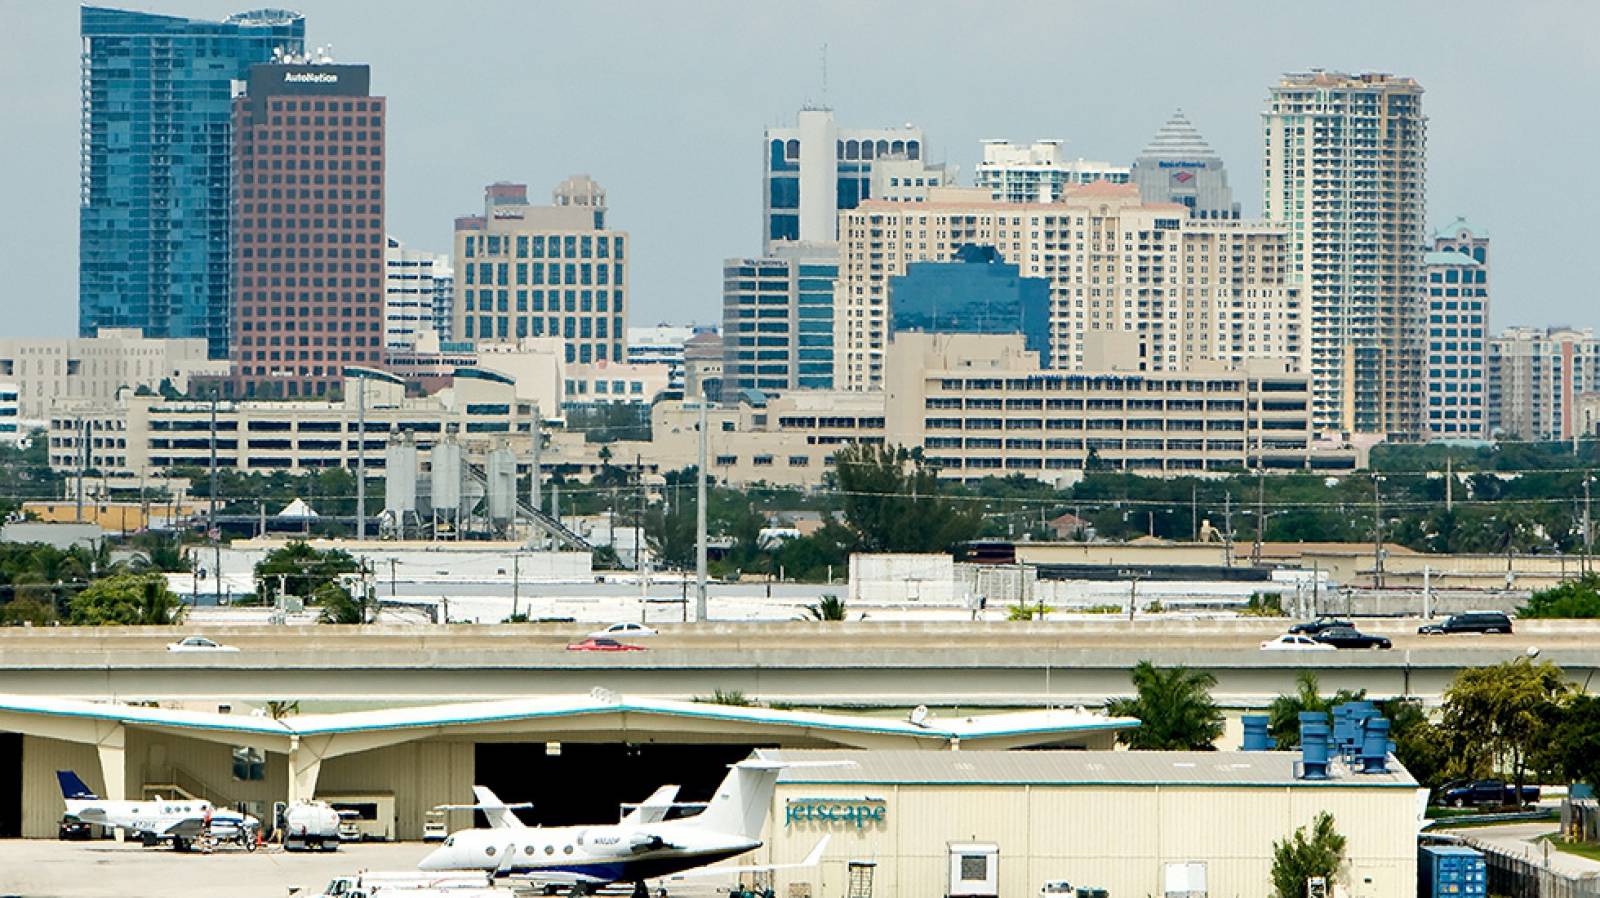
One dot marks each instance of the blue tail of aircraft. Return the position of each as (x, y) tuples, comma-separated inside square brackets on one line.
[(72, 787)]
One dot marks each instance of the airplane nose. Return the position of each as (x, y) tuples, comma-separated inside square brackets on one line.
[(433, 861)]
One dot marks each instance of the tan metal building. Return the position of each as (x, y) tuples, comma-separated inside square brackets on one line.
[(1135, 823)]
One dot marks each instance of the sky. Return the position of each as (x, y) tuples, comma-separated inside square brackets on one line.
[(664, 103)]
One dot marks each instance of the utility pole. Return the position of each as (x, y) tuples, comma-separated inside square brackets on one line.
[(638, 521), (1261, 516), (1227, 525), (1377, 531), (700, 523), (1586, 531), (516, 577), (536, 435), (83, 463), (213, 532), (1450, 484), (1194, 512), (361, 458)]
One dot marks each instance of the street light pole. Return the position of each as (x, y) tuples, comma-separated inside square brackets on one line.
[(700, 523), (1377, 531), (361, 458)]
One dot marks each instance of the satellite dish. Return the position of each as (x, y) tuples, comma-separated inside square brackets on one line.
[(919, 716)]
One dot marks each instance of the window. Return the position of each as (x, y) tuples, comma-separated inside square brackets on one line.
[(249, 764), (727, 460)]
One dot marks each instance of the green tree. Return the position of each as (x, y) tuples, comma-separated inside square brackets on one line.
[(1300, 858), (828, 608), (338, 605), (126, 599), (302, 570), (1174, 709), (1499, 716), (670, 534), (27, 609), (1567, 599), (895, 502), (1421, 745), (1284, 712), (1574, 745)]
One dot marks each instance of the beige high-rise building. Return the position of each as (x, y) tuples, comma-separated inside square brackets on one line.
[(48, 370), (1535, 375), (1346, 171), (543, 271), (1144, 283)]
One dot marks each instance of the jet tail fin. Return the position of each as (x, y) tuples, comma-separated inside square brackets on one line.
[(655, 808), (742, 801), (74, 788), (498, 812)]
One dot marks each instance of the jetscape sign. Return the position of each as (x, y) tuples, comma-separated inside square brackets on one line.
[(847, 812)]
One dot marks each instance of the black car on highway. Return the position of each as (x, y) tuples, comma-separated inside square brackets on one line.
[(1351, 638), (1313, 627), (1486, 793), (1470, 622)]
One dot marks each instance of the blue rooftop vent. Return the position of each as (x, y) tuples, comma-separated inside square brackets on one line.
[(1375, 746), (1313, 746), (1255, 733)]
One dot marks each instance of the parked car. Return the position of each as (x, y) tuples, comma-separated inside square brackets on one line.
[(626, 630), (1485, 793), (1351, 638), (1470, 622), (1056, 888), (1295, 642), (74, 830), (198, 644), (603, 645), (1313, 627)]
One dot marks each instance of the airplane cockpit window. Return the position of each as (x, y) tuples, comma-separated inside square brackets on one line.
[(450, 841)]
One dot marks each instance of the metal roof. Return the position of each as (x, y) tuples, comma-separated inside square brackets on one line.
[(1073, 768), (1048, 726)]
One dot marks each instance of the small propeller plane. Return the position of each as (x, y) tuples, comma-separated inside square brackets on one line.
[(179, 821)]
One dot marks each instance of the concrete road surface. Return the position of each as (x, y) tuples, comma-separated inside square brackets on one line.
[(1524, 840)]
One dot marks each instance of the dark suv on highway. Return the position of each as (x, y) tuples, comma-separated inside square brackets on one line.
[(1470, 622)]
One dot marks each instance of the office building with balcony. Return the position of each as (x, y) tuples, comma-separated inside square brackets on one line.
[(1346, 172), (309, 245), (1535, 376), (1458, 332), (544, 271), (156, 152), (418, 289), (1144, 283), (1040, 172)]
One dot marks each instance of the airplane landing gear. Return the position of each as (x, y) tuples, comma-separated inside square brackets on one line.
[(640, 890)]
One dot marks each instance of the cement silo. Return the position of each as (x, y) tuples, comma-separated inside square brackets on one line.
[(502, 486), (400, 476)]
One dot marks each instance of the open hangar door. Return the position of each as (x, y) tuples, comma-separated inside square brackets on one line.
[(10, 785), (588, 782)]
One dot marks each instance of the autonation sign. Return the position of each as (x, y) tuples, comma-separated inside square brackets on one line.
[(857, 812)]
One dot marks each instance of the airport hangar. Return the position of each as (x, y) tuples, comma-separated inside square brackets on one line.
[(577, 758)]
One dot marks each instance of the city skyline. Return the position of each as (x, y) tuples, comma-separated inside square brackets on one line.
[(700, 116)]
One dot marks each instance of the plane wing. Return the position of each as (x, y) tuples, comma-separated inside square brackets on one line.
[(812, 859)]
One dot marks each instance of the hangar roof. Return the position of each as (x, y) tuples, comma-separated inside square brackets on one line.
[(1013, 729), (1072, 768)]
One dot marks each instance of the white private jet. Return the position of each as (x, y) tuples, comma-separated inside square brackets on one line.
[(634, 850), (180, 821), (500, 816)]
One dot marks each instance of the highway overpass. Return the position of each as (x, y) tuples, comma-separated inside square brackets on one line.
[(833, 665)]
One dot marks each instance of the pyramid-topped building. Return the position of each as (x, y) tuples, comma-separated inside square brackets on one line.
[(1179, 167)]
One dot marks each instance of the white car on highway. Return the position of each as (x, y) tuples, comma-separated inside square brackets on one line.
[(623, 631), (198, 644), (1294, 642)]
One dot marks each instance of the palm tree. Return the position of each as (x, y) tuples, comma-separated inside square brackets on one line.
[(828, 608), (1174, 709), (1284, 712), (278, 710)]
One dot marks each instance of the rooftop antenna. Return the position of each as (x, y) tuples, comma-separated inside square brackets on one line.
[(825, 76)]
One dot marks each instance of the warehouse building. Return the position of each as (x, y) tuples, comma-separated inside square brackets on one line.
[(986, 823), (568, 755)]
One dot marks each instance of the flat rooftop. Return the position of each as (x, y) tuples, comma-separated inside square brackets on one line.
[(1074, 768)]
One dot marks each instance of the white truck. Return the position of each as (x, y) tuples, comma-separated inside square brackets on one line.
[(310, 825)]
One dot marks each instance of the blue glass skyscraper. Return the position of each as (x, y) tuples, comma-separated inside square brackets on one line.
[(154, 206), (977, 293)]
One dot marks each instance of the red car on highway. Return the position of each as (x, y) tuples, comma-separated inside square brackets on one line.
[(601, 644)]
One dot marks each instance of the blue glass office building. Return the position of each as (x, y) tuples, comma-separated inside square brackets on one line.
[(777, 324), (977, 293), (154, 207)]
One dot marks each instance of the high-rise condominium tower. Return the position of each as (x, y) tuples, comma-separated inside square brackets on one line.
[(153, 213), (1346, 170)]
